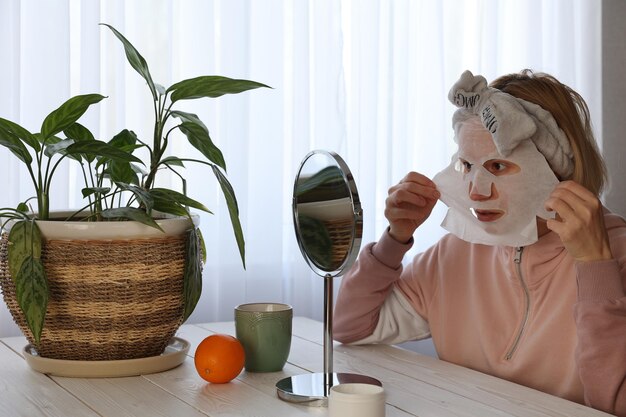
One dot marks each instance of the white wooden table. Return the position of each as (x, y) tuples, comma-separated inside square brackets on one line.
[(416, 385)]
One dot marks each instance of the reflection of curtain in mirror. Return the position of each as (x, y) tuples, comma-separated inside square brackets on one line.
[(367, 79)]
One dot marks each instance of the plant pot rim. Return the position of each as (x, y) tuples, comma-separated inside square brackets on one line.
[(112, 230)]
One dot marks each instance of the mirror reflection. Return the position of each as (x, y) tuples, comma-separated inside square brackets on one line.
[(327, 214)]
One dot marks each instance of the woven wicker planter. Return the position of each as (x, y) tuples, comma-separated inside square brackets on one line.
[(115, 288)]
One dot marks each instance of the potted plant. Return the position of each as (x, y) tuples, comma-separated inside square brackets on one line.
[(93, 297)]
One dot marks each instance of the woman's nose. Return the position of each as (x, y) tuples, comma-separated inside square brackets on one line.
[(482, 187), (482, 193)]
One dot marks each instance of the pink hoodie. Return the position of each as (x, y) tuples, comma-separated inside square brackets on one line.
[(567, 338)]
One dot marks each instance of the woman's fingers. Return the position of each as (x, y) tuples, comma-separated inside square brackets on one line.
[(579, 221), (409, 203)]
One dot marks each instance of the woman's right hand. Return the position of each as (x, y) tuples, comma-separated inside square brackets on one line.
[(409, 204)]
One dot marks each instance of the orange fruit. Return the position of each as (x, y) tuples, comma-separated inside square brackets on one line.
[(219, 358)]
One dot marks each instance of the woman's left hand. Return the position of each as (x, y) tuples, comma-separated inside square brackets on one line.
[(579, 222)]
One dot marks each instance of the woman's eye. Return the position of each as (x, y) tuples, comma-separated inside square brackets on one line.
[(498, 167)]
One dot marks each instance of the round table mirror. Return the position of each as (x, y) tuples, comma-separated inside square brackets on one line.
[(328, 222), (327, 214)]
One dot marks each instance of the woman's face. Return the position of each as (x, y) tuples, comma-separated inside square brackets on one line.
[(494, 197), (481, 166)]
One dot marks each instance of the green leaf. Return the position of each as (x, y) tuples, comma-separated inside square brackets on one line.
[(123, 139), (188, 117), (173, 160), (130, 213), (160, 89), (79, 133), (67, 114), (233, 210), (24, 241), (102, 149), (27, 271), (170, 207), (58, 147), (20, 132), (136, 60), (50, 140), (199, 138), (198, 135), (10, 141), (87, 191), (192, 284), (202, 245), (143, 195), (210, 86), (138, 170), (122, 171), (31, 291), (164, 194)]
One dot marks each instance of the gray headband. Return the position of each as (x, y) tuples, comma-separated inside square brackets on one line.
[(511, 120)]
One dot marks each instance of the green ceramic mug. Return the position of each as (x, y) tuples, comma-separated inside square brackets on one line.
[(264, 330)]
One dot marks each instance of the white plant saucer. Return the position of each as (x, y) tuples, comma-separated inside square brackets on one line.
[(173, 355)]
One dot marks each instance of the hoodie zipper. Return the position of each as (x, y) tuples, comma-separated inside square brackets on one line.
[(518, 267)]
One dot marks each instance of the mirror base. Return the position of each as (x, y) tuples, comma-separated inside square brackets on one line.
[(313, 389)]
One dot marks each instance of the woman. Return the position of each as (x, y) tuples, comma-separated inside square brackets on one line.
[(529, 284)]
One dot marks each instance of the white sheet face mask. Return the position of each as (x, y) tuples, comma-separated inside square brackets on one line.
[(494, 200)]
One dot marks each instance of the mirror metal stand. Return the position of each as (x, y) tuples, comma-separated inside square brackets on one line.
[(326, 192), (328, 326), (313, 389)]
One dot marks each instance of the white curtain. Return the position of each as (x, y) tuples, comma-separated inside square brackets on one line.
[(367, 79)]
